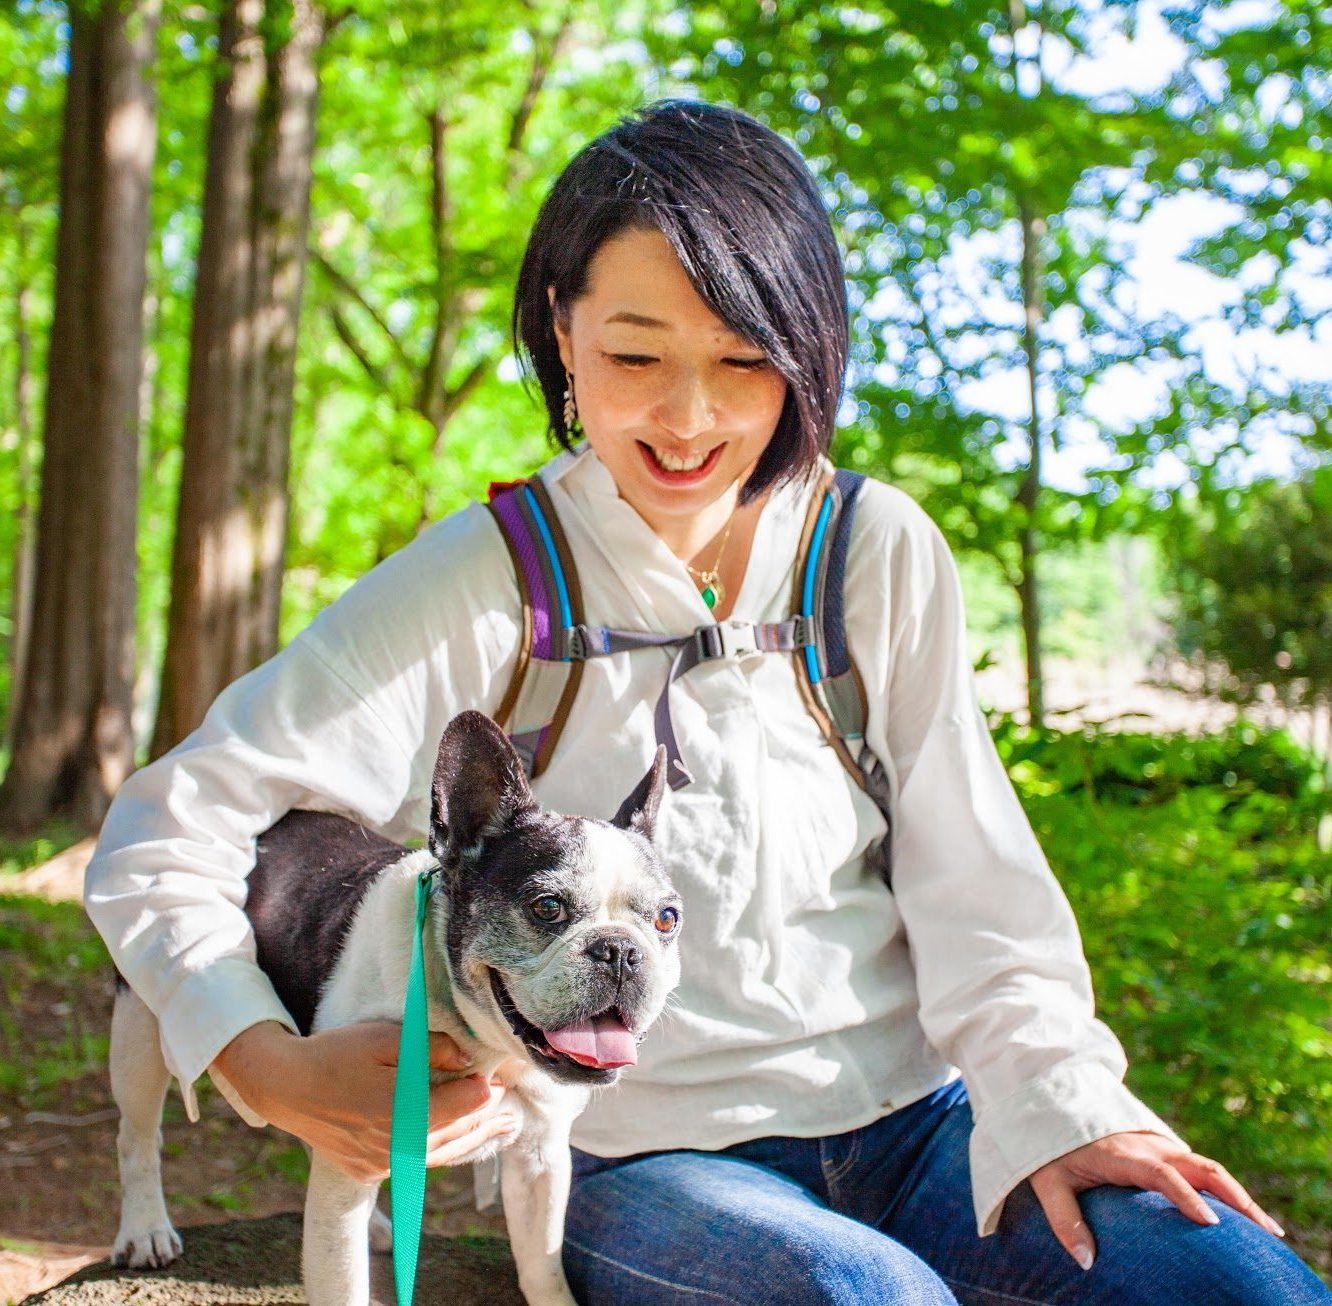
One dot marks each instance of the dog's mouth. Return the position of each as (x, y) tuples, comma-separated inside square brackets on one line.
[(594, 1048)]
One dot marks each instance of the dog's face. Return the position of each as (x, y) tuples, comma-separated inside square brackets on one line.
[(562, 929)]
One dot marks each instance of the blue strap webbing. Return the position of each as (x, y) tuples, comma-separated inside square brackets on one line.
[(811, 574), (552, 557)]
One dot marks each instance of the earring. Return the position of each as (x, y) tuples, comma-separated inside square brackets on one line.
[(572, 426)]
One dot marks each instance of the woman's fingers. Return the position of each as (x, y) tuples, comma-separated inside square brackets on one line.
[(1212, 1177), (455, 1098), (445, 1054), (456, 1149), (1059, 1201), (1136, 1160), (1164, 1177), (463, 1116)]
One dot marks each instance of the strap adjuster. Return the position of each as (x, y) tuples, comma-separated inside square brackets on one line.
[(724, 639), (580, 643)]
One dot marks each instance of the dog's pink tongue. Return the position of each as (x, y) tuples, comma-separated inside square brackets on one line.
[(602, 1041)]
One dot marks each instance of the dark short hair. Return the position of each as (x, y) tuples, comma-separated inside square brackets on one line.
[(746, 221)]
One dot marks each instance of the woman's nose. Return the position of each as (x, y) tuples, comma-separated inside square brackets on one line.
[(687, 408)]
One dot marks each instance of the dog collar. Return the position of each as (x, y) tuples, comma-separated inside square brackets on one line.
[(411, 1108)]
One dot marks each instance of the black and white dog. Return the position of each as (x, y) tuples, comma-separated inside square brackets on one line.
[(549, 951)]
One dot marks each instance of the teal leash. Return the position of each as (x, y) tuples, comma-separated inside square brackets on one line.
[(411, 1110)]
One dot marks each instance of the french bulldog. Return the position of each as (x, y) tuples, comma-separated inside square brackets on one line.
[(550, 949)]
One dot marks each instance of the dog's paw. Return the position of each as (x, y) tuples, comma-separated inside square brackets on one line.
[(146, 1249), (381, 1232)]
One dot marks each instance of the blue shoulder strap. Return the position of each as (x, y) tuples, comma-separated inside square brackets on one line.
[(831, 685), (833, 690)]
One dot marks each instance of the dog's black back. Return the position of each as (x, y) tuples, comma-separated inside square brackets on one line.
[(312, 871)]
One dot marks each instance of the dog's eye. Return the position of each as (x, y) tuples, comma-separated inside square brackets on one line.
[(667, 920), (548, 909)]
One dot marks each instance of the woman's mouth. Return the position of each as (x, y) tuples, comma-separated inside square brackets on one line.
[(673, 469)]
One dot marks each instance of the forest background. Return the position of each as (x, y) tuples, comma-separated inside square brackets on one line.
[(256, 261)]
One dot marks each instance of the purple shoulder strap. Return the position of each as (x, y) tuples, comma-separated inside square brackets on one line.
[(535, 707)]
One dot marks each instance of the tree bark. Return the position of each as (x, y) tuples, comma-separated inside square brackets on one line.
[(73, 743), (1032, 225), (232, 518), (1028, 495), (25, 558)]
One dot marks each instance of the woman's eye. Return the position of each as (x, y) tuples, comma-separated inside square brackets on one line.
[(668, 918), (548, 909), (748, 364), (633, 360)]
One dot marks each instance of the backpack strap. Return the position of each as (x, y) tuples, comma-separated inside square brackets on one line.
[(545, 679), (557, 640), (828, 679), (829, 683)]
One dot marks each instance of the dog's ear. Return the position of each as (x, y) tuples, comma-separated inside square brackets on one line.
[(638, 812), (479, 786)]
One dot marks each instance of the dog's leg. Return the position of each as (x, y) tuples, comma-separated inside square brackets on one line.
[(381, 1226), (534, 1181), (139, 1080), (335, 1254), (381, 1232)]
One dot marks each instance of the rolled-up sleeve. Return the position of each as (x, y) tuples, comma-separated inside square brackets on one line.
[(345, 719), (1004, 989)]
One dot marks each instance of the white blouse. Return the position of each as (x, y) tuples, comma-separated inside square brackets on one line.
[(813, 998)]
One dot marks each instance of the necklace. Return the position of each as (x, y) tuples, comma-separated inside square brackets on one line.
[(711, 590)]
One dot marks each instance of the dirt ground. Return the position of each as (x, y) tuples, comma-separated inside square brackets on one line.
[(59, 1194), (257, 1263)]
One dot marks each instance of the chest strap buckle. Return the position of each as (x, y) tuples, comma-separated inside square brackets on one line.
[(724, 639)]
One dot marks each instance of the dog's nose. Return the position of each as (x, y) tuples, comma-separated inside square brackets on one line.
[(616, 953)]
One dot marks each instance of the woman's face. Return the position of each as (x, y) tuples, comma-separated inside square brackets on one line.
[(676, 405)]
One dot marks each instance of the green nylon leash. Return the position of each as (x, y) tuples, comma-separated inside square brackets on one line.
[(411, 1111)]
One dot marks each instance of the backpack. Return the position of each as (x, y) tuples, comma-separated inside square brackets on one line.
[(557, 639)]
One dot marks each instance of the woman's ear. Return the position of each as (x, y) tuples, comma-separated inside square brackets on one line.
[(559, 320)]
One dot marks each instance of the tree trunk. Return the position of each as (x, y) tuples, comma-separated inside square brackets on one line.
[(1029, 78), (25, 556), (1028, 494), (232, 519), (73, 743)]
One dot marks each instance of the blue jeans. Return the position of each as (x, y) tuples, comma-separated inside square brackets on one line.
[(884, 1215)]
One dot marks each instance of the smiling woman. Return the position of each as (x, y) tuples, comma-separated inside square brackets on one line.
[(697, 322)]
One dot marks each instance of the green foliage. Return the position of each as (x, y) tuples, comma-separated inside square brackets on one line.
[(23, 854), (1099, 602), (369, 470), (933, 128), (1206, 907), (1252, 577), (51, 956), (30, 107)]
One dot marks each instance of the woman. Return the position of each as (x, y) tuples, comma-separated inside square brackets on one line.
[(796, 1131)]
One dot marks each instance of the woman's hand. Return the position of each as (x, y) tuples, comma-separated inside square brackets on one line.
[(334, 1091), (1136, 1160)]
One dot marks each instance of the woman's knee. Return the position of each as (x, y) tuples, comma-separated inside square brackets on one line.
[(683, 1228), (859, 1271), (1175, 1261), (779, 1273)]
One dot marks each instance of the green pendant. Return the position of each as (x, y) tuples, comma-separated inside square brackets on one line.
[(710, 597)]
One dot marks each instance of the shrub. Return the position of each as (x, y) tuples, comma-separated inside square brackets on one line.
[(1206, 910)]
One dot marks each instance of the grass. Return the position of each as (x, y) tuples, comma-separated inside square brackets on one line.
[(22, 854), (52, 957)]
